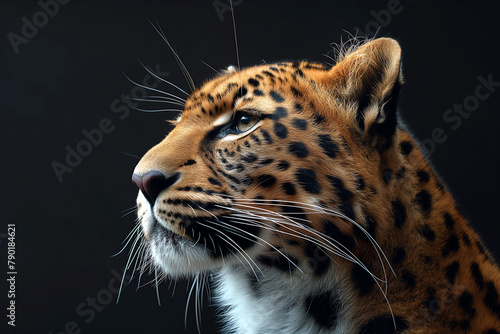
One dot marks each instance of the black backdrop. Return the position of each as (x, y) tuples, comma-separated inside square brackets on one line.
[(67, 77)]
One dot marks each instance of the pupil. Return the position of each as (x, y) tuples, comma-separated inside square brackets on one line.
[(245, 120)]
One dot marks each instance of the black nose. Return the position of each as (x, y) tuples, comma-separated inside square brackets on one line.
[(153, 183)]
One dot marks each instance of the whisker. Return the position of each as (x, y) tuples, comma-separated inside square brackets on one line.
[(294, 233), (128, 209), (267, 243), (234, 244), (219, 222), (213, 243), (336, 250), (177, 58), (121, 286), (188, 301), (235, 37), (137, 257), (127, 239), (198, 304), (150, 88), (143, 260), (131, 211), (165, 81), (127, 266), (210, 66), (159, 101), (288, 220), (156, 284), (132, 252), (199, 237), (155, 110), (130, 155), (374, 243), (175, 286), (323, 210)]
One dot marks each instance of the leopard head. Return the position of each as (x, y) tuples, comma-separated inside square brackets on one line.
[(269, 163)]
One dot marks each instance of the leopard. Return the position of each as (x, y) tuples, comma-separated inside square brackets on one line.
[(298, 190)]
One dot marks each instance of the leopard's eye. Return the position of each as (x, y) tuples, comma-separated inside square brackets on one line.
[(245, 122)]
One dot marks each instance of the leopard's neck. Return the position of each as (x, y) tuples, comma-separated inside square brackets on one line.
[(274, 302)]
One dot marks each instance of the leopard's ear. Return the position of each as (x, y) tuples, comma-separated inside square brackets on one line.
[(367, 82)]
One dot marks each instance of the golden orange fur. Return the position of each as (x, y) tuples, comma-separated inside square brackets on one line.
[(327, 139)]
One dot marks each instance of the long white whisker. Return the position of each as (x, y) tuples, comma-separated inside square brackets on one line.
[(198, 305), (132, 252), (336, 250), (165, 81), (155, 110), (189, 300), (235, 37), (130, 209), (374, 243), (159, 101), (150, 88), (323, 210), (138, 253), (127, 239), (177, 58), (156, 284), (267, 243), (237, 247), (219, 222), (283, 220), (127, 266), (130, 155), (213, 243), (194, 244), (142, 264), (121, 286), (210, 66), (295, 234)]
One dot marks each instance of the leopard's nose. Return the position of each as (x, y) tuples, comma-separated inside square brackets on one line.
[(153, 183)]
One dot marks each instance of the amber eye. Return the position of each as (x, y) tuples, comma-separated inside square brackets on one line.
[(245, 122)]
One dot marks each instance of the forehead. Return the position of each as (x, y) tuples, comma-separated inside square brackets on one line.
[(222, 92)]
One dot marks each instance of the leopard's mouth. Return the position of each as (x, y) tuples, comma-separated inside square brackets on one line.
[(179, 254), (186, 236), (164, 233), (203, 244)]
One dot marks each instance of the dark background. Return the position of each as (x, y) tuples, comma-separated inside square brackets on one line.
[(65, 79)]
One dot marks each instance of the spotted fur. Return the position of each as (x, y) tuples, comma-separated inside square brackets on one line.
[(324, 216)]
